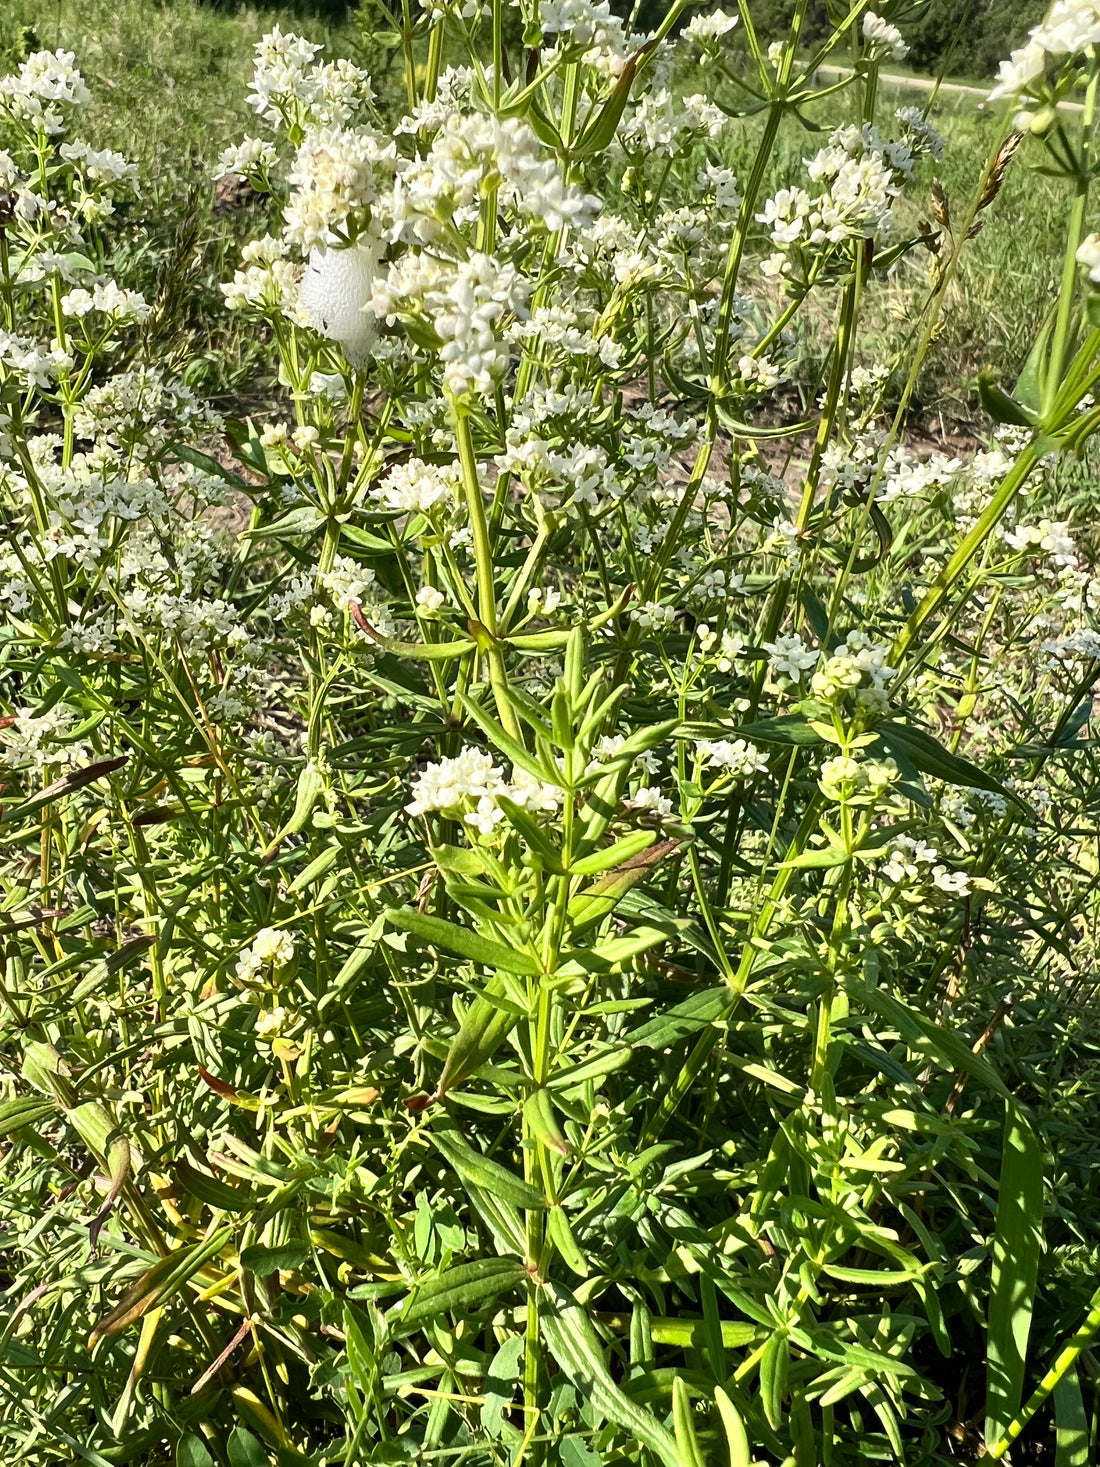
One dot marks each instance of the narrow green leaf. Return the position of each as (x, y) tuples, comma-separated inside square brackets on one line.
[(698, 1012), (462, 941), (736, 1437), (574, 1344), (625, 849), (501, 741), (774, 1363), (930, 757), (311, 786), (462, 1288), (484, 1029), (687, 1442), (1000, 407), (76, 779), (1017, 1244), (25, 1110), (484, 1174), (1072, 1439)]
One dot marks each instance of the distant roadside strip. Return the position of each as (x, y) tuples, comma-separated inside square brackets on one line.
[(930, 84)]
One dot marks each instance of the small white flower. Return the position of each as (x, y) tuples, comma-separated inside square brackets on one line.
[(883, 37), (649, 797), (740, 758), (704, 28), (272, 1022), (791, 656), (429, 600)]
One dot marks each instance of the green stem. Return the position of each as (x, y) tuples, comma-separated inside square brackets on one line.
[(1068, 292), (1057, 1372), (483, 563)]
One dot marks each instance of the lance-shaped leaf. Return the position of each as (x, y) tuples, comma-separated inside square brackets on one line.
[(504, 743), (596, 901), (76, 779), (416, 651), (25, 1110), (622, 851), (1017, 1244), (311, 786), (930, 757), (1000, 407), (484, 1174), (538, 1111), (99, 1131), (574, 1344), (215, 1193), (158, 1283), (737, 1439), (483, 1030), (600, 131), (461, 940), (462, 1288), (687, 1442)]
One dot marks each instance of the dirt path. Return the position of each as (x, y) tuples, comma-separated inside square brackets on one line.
[(930, 84)]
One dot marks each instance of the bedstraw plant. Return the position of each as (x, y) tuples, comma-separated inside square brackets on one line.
[(549, 901)]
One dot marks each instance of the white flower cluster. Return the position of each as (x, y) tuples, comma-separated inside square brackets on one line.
[(469, 786), (843, 778), (38, 741), (653, 616), (269, 279), (1080, 646), (103, 165), (108, 298), (469, 150), (270, 949), (416, 487), (883, 38), (662, 122), (921, 137), (650, 799), (738, 758), (465, 304), (1049, 537), (578, 473), (914, 861), (1070, 30), (857, 662), (46, 82), (861, 171), (704, 29), (142, 406), (272, 1023), (589, 24), (558, 332), (336, 176), (904, 476), (789, 656), (38, 365), (251, 157), (287, 88)]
